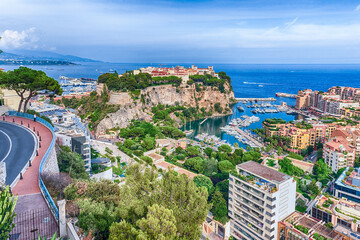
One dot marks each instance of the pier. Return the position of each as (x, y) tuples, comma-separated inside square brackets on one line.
[(255, 99), (288, 95), (203, 121), (254, 142)]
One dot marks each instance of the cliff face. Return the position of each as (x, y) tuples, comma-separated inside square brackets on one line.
[(184, 95)]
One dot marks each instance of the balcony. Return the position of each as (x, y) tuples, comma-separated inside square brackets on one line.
[(252, 190), (251, 198), (271, 199), (248, 210), (270, 222), (271, 207), (248, 225), (270, 214), (251, 205)]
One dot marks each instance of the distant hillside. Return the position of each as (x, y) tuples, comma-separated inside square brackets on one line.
[(29, 55)]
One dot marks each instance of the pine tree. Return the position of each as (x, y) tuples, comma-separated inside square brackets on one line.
[(7, 213)]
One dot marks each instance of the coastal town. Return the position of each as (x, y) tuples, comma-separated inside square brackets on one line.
[(297, 179), (180, 120)]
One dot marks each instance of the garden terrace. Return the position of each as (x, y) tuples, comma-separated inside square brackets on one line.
[(326, 203), (309, 227), (274, 121), (347, 178), (347, 210), (266, 179)]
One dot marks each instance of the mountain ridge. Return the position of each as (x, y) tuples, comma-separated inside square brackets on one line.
[(31, 55)]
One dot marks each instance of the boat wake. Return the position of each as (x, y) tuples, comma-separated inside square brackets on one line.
[(259, 83)]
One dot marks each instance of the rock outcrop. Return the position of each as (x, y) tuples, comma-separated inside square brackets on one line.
[(185, 95)]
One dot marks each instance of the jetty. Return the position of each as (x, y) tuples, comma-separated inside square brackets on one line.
[(269, 99), (288, 95), (251, 141), (203, 121)]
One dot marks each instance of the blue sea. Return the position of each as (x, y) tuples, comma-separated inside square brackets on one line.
[(248, 80)]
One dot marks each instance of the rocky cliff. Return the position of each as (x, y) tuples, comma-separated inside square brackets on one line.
[(185, 95)]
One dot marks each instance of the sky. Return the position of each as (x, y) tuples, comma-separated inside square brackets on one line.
[(226, 31)]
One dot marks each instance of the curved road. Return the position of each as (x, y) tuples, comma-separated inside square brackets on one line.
[(16, 147)]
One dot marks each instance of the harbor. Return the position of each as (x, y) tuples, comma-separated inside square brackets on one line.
[(236, 128), (77, 85)]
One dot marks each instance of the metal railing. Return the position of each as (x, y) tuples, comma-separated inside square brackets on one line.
[(42, 186)]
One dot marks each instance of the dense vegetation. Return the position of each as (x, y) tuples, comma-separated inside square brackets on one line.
[(208, 80), (145, 207), (275, 121), (93, 107), (215, 167), (161, 114), (7, 212), (139, 136), (130, 82), (71, 163)]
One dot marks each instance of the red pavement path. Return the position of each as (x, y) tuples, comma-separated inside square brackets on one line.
[(30, 182)]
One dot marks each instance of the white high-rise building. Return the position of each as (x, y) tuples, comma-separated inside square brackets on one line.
[(259, 197)]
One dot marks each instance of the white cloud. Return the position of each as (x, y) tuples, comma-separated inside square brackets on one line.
[(357, 8), (289, 24), (13, 39)]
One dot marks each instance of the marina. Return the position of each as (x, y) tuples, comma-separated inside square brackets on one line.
[(236, 128), (211, 139), (77, 85)]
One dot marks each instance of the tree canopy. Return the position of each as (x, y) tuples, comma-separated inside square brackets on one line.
[(27, 83), (72, 163), (286, 166), (7, 212), (130, 82), (145, 207)]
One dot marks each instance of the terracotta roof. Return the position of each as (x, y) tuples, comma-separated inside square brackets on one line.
[(167, 166), (155, 156), (264, 172), (339, 132), (335, 143)]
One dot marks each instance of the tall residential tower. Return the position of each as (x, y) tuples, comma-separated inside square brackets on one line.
[(259, 197)]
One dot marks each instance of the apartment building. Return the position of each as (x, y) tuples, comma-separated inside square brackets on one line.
[(298, 226), (272, 126), (341, 213), (259, 197), (331, 102), (69, 130), (303, 99), (338, 153), (345, 92), (351, 134), (350, 112), (301, 136), (348, 185)]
